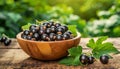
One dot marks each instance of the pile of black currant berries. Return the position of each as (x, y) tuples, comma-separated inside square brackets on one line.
[(5, 40), (104, 59), (47, 31)]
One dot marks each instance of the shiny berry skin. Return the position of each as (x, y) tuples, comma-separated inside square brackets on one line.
[(26, 32), (34, 30), (33, 26), (48, 30), (64, 27), (84, 59), (91, 60), (68, 32), (3, 39), (57, 24), (7, 42), (46, 24), (66, 36), (52, 36), (36, 36), (42, 27), (104, 59), (60, 30), (59, 37), (24, 36), (44, 37), (29, 37), (53, 29), (41, 32)]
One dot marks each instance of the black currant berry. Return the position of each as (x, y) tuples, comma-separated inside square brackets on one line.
[(42, 27), (66, 36), (57, 24), (33, 26), (34, 30), (7, 42), (53, 29), (84, 59), (41, 32), (44, 37), (36, 36), (52, 36), (46, 24), (104, 59), (48, 30), (29, 37), (60, 30), (24, 36), (68, 32), (26, 32), (59, 37), (91, 59), (3, 39), (64, 27)]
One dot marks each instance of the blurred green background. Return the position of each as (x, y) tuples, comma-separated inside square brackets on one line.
[(92, 17)]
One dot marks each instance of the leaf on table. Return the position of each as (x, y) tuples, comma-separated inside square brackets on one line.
[(91, 44), (99, 48), (74, 51), (101, 39), (73, 58)]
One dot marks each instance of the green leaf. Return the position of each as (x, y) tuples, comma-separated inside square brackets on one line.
[(99, 48), (74, 51), (26, 27), (72, 28), (71, 61), (73, 58), (101, 39), (91, 44)]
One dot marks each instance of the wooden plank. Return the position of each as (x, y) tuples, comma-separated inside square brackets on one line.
[(13, 57), (16, 58)]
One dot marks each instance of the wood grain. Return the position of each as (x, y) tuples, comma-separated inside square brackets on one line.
[(13, 57)]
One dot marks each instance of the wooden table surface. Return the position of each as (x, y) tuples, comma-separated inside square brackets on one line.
[(13, 57)]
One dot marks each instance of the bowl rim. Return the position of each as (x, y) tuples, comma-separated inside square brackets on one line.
[(18, 36)]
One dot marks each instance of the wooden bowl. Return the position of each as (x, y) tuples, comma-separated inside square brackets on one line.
[(47, 50)]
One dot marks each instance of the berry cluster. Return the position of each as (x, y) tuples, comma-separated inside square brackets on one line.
[(90, 59), (47, 31), (5, 40)]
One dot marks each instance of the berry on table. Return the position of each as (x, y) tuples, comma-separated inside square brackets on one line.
[(104, 59), (7, 42), (91, 59), (3, 39), (84, 59)]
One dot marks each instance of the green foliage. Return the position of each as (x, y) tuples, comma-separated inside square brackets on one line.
[(16, 13), (108, 24), (73, 58), (72, 28), (99, 48), (9, 23)]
